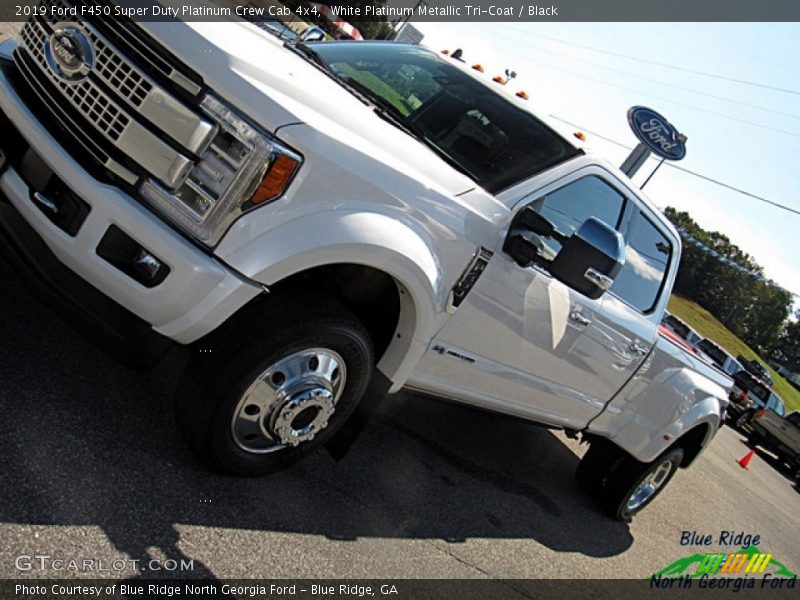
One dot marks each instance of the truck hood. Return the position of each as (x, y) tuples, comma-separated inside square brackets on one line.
[(252, 70)]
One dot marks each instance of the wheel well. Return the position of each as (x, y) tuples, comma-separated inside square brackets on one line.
[(692, 443), (371, 295)]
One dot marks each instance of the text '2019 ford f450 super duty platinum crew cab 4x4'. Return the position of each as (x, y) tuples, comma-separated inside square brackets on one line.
[(318, 223)]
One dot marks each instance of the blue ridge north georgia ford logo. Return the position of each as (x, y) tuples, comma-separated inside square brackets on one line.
[(69, 52)]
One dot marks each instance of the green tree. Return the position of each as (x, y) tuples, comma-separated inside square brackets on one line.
[(752, 309), (787, 350)]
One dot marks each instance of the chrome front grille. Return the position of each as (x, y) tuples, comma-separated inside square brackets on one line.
[(85, 96), (118, 73), (138, 122)]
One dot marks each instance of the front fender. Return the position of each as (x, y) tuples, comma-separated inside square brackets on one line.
[(375, 240)]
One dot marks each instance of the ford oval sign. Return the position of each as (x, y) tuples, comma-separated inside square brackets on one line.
[(69, 52), (655, 132)]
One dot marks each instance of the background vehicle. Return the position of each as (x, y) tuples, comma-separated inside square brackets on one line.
[(778, 434), (722, 359), (328, 223), (757, 369), (681, 328), (284, 32), (748, 396)]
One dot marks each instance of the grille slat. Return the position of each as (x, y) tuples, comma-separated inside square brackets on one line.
[(119, 102), (119, 74), (85, 96), (68, 124)]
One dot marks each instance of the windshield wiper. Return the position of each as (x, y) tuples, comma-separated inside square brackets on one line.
[(309, 54), (389, 112), (383, 108)]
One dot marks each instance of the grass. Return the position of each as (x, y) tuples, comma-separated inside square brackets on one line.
[(708, 326)]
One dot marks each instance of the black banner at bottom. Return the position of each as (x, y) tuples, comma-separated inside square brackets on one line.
[(447, 589)]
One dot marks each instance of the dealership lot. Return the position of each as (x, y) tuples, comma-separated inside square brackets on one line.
[(93, 468)]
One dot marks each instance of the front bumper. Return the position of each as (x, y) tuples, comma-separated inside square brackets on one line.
[(198, 294)]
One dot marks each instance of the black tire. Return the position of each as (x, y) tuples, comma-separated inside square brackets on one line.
[(596, 464), (753, 440), (216, 378), (743, 419), (629, 475)]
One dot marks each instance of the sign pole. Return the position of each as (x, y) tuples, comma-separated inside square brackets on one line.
[(649, 177), (635, 160)]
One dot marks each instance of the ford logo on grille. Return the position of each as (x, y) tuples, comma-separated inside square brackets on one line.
[(69, 52)]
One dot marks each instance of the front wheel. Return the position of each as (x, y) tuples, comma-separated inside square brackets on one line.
[(634, 484), (277, 388)]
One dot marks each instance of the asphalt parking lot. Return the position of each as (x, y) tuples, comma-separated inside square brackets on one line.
[(93, 467)]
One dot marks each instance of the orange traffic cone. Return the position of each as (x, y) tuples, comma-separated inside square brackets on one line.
[(745, 460)]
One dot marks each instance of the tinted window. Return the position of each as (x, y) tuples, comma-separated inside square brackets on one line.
[(794, 417), (646, 258), (571, 205), (713, 351), (469, 124), (732, 367)]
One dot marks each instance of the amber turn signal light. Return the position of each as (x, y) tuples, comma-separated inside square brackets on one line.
[(276, 179)]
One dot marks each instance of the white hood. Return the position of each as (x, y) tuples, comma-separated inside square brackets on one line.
[(251, 70)]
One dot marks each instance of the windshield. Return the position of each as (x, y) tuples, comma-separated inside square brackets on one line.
[(477, 130)]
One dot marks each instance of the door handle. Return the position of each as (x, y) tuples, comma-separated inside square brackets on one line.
[(579, 318), (45, 202), (638, 348)]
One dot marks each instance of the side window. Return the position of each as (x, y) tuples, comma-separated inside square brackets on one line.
[(776, 405), (646, 259), (571, 205)]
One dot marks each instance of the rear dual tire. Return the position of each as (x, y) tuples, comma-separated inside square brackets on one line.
[(623, 485)]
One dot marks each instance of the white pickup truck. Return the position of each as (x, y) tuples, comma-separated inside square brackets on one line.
[(323, 223)]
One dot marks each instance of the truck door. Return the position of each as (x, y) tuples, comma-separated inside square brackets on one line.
[(518, 342), (626, 326)]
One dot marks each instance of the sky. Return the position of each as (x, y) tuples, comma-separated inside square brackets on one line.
[(743, 135)]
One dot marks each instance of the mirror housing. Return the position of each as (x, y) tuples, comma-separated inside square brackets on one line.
[(590, 259)]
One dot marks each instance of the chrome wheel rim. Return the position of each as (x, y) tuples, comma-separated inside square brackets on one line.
[(650, 486), (290, 402)]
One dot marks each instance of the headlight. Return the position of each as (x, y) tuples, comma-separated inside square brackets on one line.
[(241, 169)]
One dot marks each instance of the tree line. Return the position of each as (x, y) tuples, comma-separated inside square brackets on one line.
[(750, 307)]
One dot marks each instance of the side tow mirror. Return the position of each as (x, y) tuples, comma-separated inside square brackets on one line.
[(590, 259), (524, 244)]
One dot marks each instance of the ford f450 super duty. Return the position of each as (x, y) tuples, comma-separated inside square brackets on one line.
[(322, 222)]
